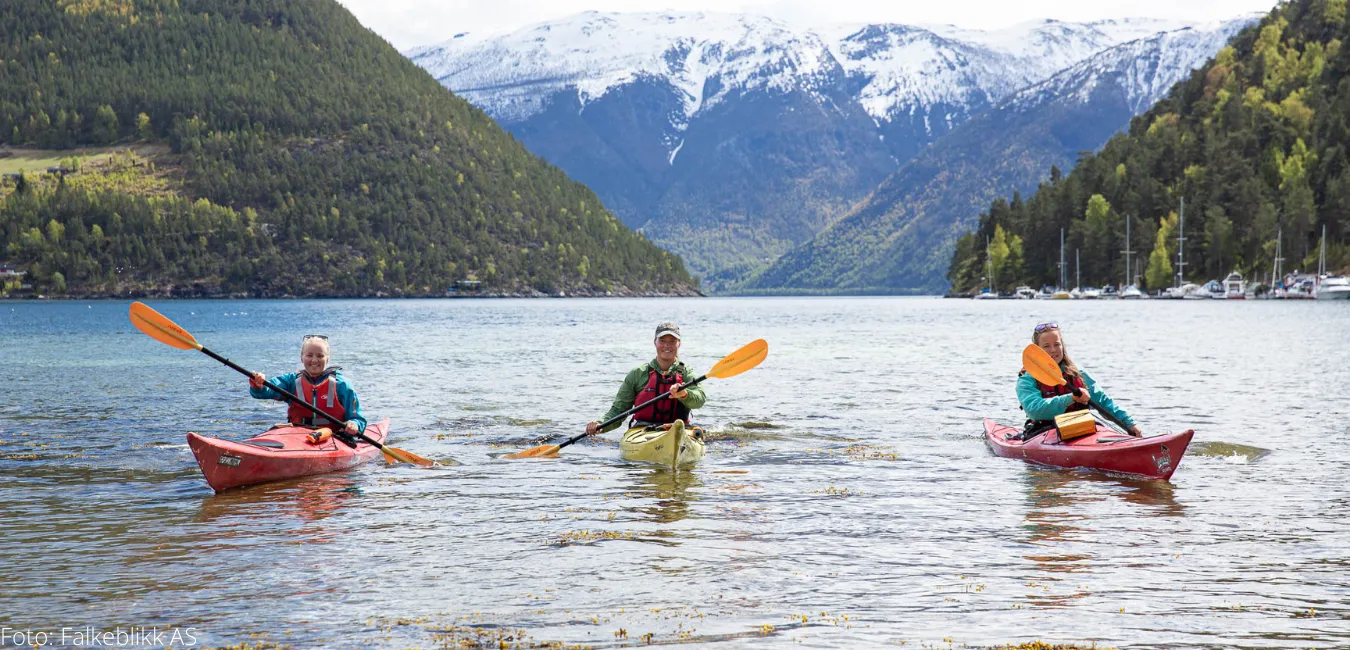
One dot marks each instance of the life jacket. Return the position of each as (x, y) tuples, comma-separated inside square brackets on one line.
[(322, 394), (1033, 427), (662, 411), (1064, 389)]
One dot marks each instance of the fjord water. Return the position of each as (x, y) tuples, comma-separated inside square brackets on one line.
[(847, 497)]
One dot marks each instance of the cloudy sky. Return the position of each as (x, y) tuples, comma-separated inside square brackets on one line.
[(407, 23)]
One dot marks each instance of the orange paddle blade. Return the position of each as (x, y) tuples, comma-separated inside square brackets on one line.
[(1041, 366), (391, 454), (542, 451), (749, 356), (160, 328)]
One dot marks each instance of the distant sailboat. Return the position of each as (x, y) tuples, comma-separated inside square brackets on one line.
[(1330, 287), (1181, 288), (1128, 290), (1060, 293), (988, 293)]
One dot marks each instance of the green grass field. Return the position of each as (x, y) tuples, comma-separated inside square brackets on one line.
[(37, 160)]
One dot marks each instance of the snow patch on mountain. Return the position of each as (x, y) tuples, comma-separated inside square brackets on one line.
[(704, 55), (1145, 68)]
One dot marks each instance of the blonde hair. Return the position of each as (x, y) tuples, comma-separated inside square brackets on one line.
[(1067, 366), (328, 351)]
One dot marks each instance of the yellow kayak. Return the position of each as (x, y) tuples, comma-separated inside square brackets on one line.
[(672, 447)]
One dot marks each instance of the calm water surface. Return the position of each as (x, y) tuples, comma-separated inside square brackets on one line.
[(847, 498)]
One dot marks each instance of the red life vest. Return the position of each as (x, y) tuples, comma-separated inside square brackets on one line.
[(663, 411), (322, 396), (1065, 389)]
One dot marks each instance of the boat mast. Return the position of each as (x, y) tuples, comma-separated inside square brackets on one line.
[(1062, 280), (1276, 267), (1181, 245), (1322, 257), (1127, 250), (1077, 271)]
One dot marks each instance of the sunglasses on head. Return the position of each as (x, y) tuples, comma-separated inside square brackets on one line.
[(314, 336), (1047, 326)]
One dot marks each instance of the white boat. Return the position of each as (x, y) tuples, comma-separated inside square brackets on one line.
[(1181, 291), (1108, 291), (1333, 287), (1212, 289), (1090, 293), (1300, 287), (1329, 287), (1024, 293), (1130, 291), (986, 295), (1234, 287)]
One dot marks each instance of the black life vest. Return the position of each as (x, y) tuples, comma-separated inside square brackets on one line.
[(662, 411)]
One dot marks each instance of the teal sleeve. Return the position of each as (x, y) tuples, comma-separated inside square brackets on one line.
[(286, 382), (628, 391), (1104, 401), (1037, 406), (350, 404)]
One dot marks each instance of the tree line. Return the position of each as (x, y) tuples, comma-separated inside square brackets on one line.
[(1255, 143)]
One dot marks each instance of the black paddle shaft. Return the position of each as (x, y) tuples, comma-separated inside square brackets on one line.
[(631, 411), (291, 398), (1078, 391)]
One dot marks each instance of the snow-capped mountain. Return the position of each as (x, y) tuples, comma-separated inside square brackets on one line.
[(900, 238), (592, 54), (731, 138)]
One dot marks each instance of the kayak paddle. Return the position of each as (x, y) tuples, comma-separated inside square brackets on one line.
[(169, 333), (731, 365), (1042, 367)]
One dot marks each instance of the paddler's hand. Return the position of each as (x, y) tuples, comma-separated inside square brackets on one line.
[(592, 428), (353, 429), (1082, 397), (678, 392), (256, 380), (1134, 431)]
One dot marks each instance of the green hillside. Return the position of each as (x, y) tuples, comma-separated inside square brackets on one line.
[(297, 153), (1255, 142)]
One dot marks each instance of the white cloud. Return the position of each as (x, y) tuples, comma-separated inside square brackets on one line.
[(406, 23)]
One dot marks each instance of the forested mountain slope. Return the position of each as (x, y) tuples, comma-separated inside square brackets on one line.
[(304, 156)]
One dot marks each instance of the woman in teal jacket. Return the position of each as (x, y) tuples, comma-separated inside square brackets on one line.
[(318, 385), (1042, 403)]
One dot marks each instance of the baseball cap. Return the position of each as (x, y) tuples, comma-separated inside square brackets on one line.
[(668, 328)]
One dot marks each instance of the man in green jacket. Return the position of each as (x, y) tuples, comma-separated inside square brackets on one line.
[(664, 373)]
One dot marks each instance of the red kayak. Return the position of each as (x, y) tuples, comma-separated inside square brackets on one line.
[(282, 452), (1106, 449)]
